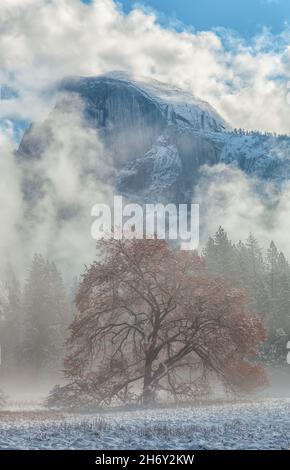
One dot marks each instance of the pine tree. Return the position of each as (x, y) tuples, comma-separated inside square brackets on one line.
[(220, 256), (254, 277), (60, 317), (283, 293), (11, 344), (210, 256), (278, 276), (265, 281), (272, 261), (46, 317)]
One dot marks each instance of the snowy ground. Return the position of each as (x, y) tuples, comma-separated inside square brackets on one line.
[(260, 425)]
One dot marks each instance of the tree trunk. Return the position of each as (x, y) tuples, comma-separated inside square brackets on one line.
[(148, 393)]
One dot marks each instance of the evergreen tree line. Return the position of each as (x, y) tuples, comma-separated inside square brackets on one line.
[(34, 319), (34, 322), (264, 276), (256, 133)]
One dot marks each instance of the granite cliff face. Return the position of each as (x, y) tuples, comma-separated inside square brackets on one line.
[(158, 137)]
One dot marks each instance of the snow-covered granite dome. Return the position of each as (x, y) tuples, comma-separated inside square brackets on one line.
[(159, 136)]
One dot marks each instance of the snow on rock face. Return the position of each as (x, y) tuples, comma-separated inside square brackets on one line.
[(154, 173), (158, 136), (182, 107), (264, 156), (127, 120), (121, 99), (153, 132)]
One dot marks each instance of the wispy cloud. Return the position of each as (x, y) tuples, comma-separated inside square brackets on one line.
[(41, 41)]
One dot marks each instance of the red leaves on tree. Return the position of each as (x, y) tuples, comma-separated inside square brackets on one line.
[(153, 323)]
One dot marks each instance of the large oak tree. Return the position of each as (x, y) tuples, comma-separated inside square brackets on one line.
[(153, 323)]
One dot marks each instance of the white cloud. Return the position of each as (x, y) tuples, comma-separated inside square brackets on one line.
[(42, 41), (11, 202), (72, 175), (242, 205)]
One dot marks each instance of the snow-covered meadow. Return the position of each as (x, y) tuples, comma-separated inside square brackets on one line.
[(262, 424)]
